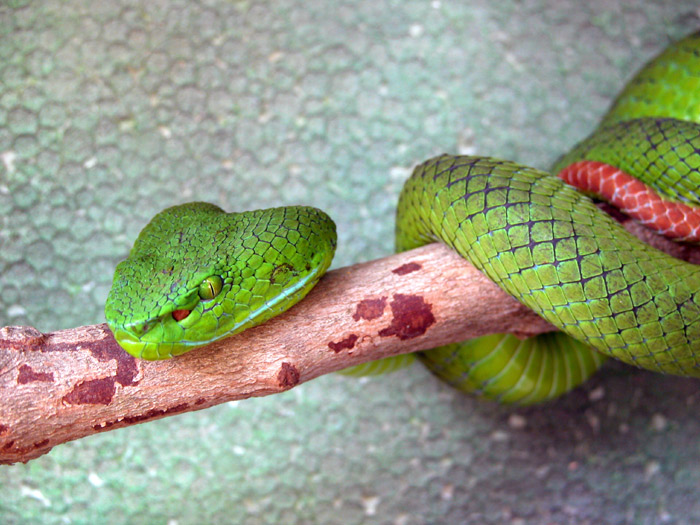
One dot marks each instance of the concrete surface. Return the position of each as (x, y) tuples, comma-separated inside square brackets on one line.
[(113, 110)]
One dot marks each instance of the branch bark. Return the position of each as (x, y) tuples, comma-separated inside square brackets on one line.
[(64, 385)]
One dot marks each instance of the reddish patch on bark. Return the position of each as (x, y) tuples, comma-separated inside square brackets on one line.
[(28, 339), (288, 376), (3, 429), (130, 420), (24, 338), (28, 375), (412, 317), (92, 392), (126, 364), (41, 444), (200, 401), (369, 309), (156, 412), (8, 445), (101, 391), (345, 344), (407, 268)]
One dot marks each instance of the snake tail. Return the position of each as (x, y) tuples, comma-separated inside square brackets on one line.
[(647, 167), (675, 220)]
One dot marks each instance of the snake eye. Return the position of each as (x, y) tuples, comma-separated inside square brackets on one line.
[(210, 287)]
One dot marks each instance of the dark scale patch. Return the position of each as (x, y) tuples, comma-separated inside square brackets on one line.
[(453, 164), (346, 344), (288, 376), (407, 268), (3, 429), (28, 375), (92, 392), (8, 445), (200, 401), (412, 317), (369, 309), (283, 270)]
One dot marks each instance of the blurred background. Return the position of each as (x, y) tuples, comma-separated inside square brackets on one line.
[(113, 110)]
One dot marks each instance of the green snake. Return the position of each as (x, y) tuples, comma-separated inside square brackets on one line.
[(197, 274)]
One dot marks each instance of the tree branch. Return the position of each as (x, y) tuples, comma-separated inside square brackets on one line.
[(64, 385)]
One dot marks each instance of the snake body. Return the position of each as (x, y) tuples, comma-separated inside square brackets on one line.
[(196, 274)]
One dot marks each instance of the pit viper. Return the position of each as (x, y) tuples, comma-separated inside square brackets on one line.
[(196, 274)]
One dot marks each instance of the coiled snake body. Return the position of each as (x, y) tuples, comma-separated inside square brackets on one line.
[(196, 274)]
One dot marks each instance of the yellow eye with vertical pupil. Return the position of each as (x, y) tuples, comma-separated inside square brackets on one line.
[(210, 287)]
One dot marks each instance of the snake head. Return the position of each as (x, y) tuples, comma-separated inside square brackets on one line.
[(197, 274)]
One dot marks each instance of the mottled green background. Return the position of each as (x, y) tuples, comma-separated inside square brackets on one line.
[(113, 110)]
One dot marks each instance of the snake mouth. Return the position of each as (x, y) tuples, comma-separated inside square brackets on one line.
[(129, 342), (151, 350)]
